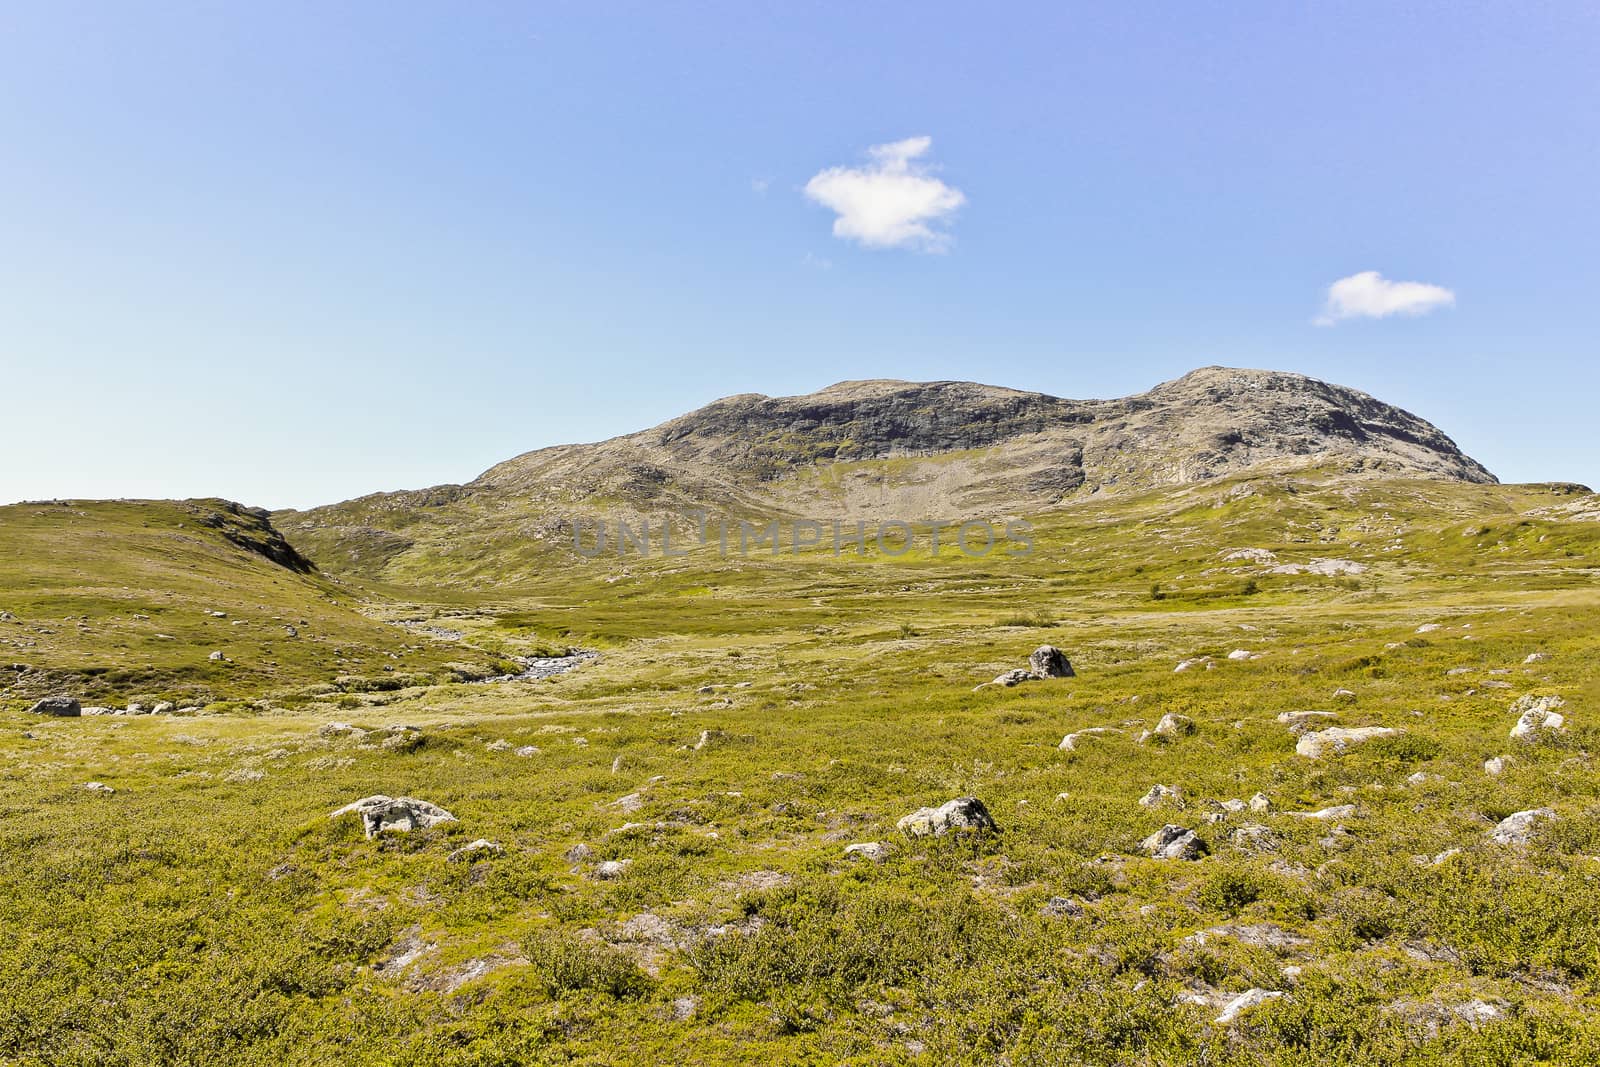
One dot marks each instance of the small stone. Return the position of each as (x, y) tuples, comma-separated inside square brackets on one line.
[(1174, 843), (1343, 694), (1495, 766), (1174, 725), (1536, 657), (868, 850), (1070, 742), (610, 869), (1162, 794), (1518, 829), (527, 750), (216, 657), (1261, 802), (482, 848), (578, 853), (1243, 1003), (1239, 653), (99, 787)]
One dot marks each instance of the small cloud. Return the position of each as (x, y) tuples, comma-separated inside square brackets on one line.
[(759, 185), (891, 202), (816, 262), (1369, 295)]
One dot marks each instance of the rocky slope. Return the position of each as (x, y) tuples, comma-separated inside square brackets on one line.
[(878, 449)]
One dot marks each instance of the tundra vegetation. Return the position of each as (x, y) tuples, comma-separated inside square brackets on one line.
[(650, 856)]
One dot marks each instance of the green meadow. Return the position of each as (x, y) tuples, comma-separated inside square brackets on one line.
[(671, 884)]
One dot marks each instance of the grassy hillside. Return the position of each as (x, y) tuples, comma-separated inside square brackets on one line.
[(749, 719), (118, 601)]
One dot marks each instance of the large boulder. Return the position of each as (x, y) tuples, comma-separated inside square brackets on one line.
[(1048, 661), (380, 814), (1336, 740), (60, 707), (962, 813), (1174, 843), (1537, 715)]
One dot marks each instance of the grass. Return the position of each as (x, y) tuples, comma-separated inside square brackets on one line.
[(209, 911)]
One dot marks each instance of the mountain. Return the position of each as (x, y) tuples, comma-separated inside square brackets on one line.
[(906, 450)]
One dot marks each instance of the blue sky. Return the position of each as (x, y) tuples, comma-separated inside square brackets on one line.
[(290, 253)]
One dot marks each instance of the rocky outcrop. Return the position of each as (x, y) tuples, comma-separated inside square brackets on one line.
[(382, 814), (57, 707), (1173, 842)]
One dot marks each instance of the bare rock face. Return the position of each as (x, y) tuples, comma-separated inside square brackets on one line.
[(963, 814), (380, 814), (1048, 661), (58, 707), (1336, 740)]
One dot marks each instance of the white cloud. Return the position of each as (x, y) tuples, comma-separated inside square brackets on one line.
[(891, 202), (1369, 295), (759, 185)]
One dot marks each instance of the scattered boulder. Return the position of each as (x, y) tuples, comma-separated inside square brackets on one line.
[(1338, 811), (1070, 742), (578, 853), (527, 750), (1249, 555), (57, 707), (1190, 664), (1162, 794), (1336, 740), (1261, 802), (1299, 722), (1174, 725), (99, 787), (1536, 657), (1537, 715), (1253, 837), (340, 729), (1173, 842), (164, 707), (403, 739), (1010, 678), (708, 738), (1244, 1002), (1048, 661), (868, 850), (380, 814), (630, 803), (1343, 694), (1518, 829), (1062, 908), (960, 814), (1239, 653), (482, 848), (1429, 627), (101, 711), (217, 657), (1495, 766), (610, 869)]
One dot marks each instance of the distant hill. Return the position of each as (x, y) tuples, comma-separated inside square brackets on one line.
[(906, 450)]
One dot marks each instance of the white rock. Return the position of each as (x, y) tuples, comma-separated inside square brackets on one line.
[(1070, 742), (1536, 657), (1162, 794), (1244, 1002), (1537, 714), (1260, 802), (1174, 725), (1338, 739), (1338, 811), (1517, 829), (99, 787), (1188, 664), (1239, 653), (611, 869), (868, 850), (527, 750), (380, 814), (1429, 627), (1495, 766), (1173, 842), (480, 848), (962, 813)]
